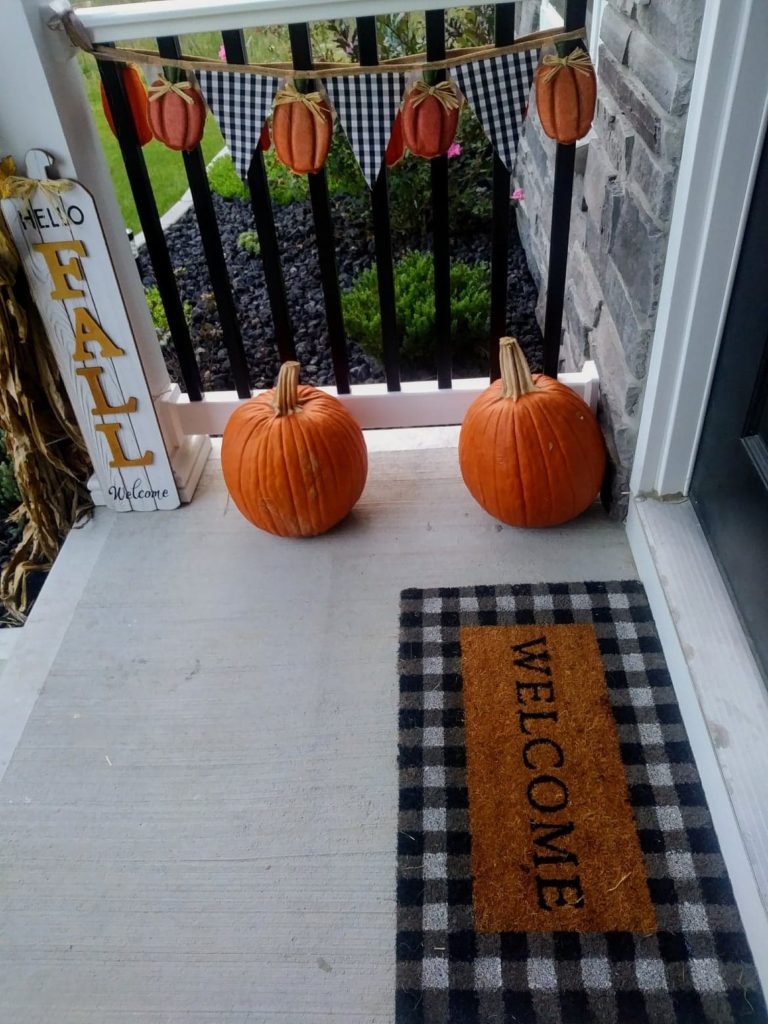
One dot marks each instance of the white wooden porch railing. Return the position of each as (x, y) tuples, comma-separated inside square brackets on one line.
[(39, 64)]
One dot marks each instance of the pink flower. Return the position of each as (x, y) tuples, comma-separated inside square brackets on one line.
[(518, 194), (222, 52), (454, 150)]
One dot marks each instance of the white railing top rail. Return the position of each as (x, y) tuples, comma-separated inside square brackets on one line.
[(115, 22)]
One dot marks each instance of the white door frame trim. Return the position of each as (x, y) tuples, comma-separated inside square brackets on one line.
[(725, 130), (703, 641)]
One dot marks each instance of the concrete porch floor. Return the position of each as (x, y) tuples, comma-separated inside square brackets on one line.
[(198, 821)]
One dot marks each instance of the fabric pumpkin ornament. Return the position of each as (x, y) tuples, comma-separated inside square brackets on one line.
[(294, 460), (396, 146), (302, 128), (136, 94), (566, 94), (430, 118), (530, 450), (176, 112)]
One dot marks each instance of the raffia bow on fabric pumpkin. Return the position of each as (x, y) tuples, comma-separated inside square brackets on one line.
[(566, 94), (161, 87), (444, 92), (315, 102), (578, 60), (430, 118), (302, 129)]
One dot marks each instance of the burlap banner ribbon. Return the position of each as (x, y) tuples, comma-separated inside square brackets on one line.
[(162, 87), (578, 60), (444, 92), (314, 101)]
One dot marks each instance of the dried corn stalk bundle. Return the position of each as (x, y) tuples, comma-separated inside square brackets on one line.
[(49, 456)]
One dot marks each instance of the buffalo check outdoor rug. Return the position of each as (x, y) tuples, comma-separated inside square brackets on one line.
[(556, 862)]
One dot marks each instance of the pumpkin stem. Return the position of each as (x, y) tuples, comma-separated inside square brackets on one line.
[(286, 400), (516, 379)]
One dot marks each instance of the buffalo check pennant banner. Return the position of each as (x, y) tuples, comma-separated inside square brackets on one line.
[(498, 90), (241, 105), (367, 106)]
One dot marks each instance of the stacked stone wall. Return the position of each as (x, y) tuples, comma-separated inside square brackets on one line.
[(623, 197)]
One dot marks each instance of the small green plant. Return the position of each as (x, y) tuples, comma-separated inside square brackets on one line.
[(248, 241), (157, 310), (415, 301), (224, 179), (344, 174), (9, 490)]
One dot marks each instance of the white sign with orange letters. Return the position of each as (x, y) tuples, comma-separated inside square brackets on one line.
[(59, 237)]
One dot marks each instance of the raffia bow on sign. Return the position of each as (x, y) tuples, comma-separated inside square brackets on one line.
[(162, 86), (314, 101), (444, 92), (578, 60), (15, 187)]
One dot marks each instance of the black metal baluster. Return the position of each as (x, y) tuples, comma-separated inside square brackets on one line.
[(301, 51), (435, 26), (194, 165), (575, 17), (382, 233), (504, 33), (261, 204), (146, 207)]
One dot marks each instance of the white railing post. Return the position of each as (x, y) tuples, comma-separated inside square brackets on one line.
[(45, 107)]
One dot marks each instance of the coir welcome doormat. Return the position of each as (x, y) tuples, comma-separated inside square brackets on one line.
[(556, 858)]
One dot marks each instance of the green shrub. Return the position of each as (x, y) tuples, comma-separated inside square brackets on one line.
[(415, 301), (9, 491), (248, 241), (469, 186), (401, 34)]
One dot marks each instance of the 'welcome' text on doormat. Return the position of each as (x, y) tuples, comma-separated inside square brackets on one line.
[(554, 846), (556, 858)]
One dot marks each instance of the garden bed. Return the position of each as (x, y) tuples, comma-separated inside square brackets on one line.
[(355, 254)]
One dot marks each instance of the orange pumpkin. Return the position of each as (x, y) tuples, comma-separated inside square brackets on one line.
[(136, 94), (302, 127), (530, 450), (294, 460), (176, 112), (265, 140), (430, 118), (396, 145), (566, 93)]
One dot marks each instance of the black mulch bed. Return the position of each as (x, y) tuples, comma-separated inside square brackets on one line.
[(354, 253)]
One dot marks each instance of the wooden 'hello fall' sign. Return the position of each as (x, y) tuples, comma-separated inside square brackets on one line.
[(59, 237)]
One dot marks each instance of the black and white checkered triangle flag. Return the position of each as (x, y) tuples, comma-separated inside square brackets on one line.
[(367, 106), (240, 104), (497, 90)]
